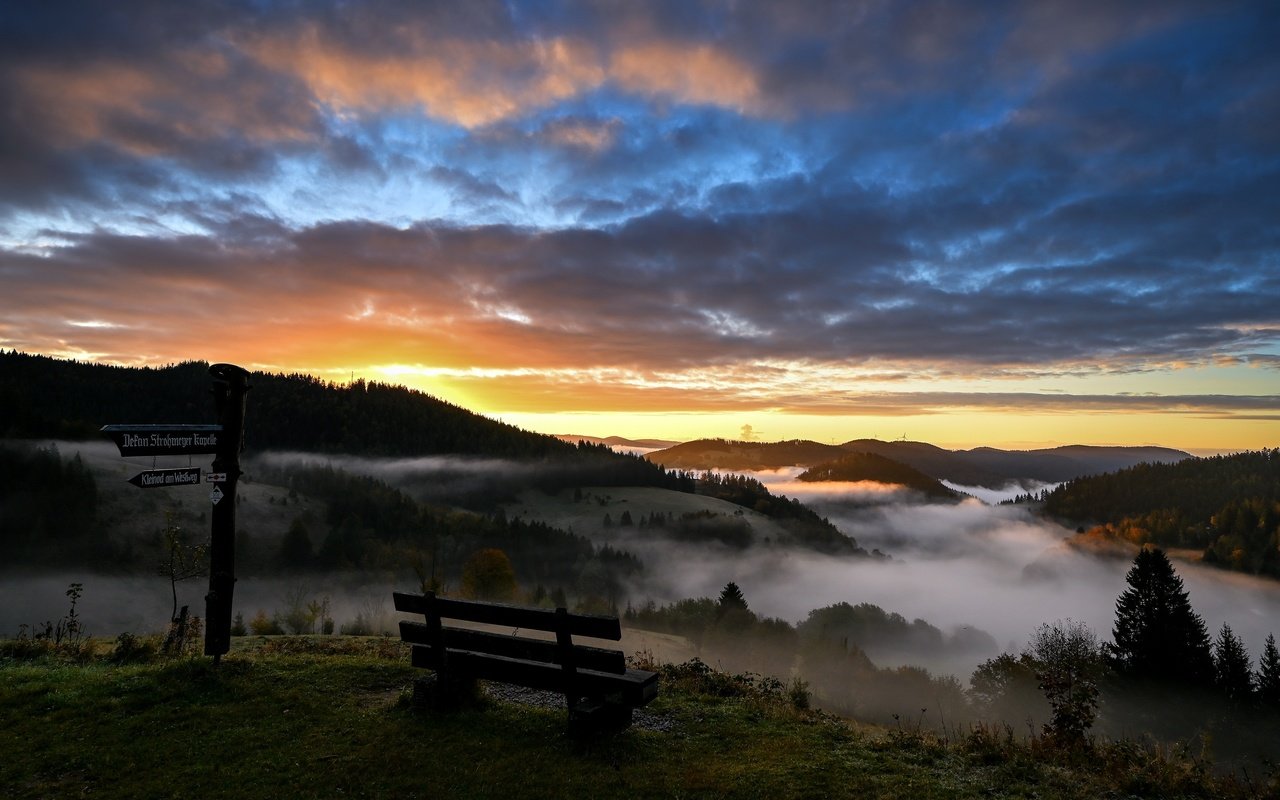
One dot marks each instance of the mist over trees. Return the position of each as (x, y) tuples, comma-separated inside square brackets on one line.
[(1226, 506), (48, 509)]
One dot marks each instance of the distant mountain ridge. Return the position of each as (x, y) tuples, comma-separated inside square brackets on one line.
[(616, 441), (984, 466)]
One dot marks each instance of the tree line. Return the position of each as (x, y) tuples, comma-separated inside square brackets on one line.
[(1226, 506)]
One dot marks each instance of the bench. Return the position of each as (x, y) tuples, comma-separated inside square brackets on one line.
[(600, 690)]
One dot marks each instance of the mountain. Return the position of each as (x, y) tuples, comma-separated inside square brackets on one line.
[(983, 466), (933, 461), (48, 398), (871, 467), (1065, 463), (723, 454)]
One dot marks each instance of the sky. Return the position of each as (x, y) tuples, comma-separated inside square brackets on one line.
[(1007, 223)]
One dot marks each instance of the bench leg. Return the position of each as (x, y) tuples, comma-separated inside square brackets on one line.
[(593, 717), (437, 692)]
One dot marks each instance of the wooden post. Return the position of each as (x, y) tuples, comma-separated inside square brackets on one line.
[(564, 643), (230, 384)]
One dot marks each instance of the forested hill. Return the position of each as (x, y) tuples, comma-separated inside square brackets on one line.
[(42, 397), (723, 454), (870, 467), (1229, 506), (983, 466)]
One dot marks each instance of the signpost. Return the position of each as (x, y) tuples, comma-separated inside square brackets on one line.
[(223, 441), (230, 385)]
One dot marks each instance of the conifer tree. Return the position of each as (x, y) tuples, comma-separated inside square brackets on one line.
[(731, 597), (1231, 663), (1157, 635), (1269, 674)]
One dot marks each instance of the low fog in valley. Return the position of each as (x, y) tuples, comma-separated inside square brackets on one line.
[(970, 569)]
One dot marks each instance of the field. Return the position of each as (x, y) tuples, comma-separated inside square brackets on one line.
[(330, 717)]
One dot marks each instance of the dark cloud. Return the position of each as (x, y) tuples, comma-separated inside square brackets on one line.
[(1025, 187)]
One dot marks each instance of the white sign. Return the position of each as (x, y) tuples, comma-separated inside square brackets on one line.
[(215, 477), (215, 495)]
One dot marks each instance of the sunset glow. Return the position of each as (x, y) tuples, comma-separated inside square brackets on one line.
[(1018, 224)]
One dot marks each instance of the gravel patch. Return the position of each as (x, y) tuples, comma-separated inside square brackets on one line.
[(642, 719)]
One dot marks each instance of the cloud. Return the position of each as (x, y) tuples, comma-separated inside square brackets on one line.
[(663, 197)]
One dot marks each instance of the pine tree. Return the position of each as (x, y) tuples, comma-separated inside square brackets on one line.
[(1269, 674), (731, 597), (1157, 635), (1231, 663)]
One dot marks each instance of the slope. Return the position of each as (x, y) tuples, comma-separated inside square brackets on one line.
[(856, 467)]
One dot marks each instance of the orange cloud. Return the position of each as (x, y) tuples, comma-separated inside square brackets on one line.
[(690, 73), (470, 83)]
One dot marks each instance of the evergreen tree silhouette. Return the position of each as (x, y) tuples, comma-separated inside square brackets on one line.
[(1157, 635), (1269, 674), (1231, 662)]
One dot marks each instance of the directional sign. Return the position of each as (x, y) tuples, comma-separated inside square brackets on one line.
[(216, 477), (156, 478), (164, 440)]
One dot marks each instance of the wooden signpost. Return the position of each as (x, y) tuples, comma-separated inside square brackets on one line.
[(224, 441)]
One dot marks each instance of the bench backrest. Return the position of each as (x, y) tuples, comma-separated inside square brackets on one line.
[(438, 637)]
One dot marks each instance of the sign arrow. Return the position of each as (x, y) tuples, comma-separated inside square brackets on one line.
[(158, 478)]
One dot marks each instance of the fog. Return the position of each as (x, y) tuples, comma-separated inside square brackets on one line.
[(994, 568)]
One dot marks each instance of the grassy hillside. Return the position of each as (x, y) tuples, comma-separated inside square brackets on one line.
[(870, 467), (330, 717)]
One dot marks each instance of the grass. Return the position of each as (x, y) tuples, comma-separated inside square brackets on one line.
[(299, 717)]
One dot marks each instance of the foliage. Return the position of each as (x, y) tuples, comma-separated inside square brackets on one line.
[(263, 625), (1233, 673), (373, 525), (1157, 635), (48, 509), (295, 551), (890, 635), (1067, 662), (731, 597), (182, 561), (803, 525), (488, 575), (1006, 688), (65, 637), (1269, 675), (1227, 505)]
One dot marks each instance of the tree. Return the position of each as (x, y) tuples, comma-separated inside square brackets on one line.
[(1269, 674), (731, 597), (1006, 688), (1157, 635), (181, 560), (488, 575), (732, 614), (1231, 665), (295, 547), (1067, 661)]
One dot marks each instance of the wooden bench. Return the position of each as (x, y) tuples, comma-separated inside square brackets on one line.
[(599, 689)]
